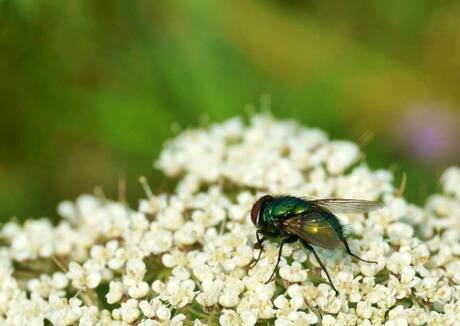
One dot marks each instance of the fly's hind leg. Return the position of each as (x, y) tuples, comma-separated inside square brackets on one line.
[(307, 245), (283, 242), (353, 255)]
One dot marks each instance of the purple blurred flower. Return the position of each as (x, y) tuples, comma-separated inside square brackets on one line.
[(429, 133)]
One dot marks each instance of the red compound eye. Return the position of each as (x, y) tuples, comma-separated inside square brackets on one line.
[(255, 211), (257, 207)]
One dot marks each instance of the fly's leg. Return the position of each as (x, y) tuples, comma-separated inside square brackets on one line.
[(307, 245), (283, 242), (259, 246), (353, 255)]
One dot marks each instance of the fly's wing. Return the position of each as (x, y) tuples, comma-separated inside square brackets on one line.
[(313, 228), (336, 205)]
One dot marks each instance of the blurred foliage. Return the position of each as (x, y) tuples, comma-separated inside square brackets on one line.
[(89, 89)]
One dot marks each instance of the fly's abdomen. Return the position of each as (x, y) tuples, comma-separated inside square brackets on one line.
[(335, 223), (318, 231)]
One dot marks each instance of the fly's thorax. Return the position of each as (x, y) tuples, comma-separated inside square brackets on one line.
[(278, 209), (268, 210), (287, 206)]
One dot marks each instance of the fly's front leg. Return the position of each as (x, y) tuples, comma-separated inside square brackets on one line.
[(283, 242), (259, 246)]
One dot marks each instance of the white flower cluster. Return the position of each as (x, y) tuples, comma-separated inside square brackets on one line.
[(183, 258)]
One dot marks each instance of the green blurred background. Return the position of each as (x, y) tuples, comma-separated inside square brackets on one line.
[(89, 89)]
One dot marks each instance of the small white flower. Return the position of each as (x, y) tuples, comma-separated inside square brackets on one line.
[(426, 288), (157, 242), (180, 293), (83, 277), (450, 180), (103, 254), (444, 294), (403, 287), (242, 256), (115, 292), (340, 155), (60, 281), (89, 316), (211, 292), (118, 259), (135, 271), (231, 318), (138, 290), (381, 295), (293, 273), (163, 312), (170, 218), (398, 261), (327, 300), (67, 210), (453, 271), (364, 310), (129, 311), (47, 286), (328, 320), (229, 298), (400, 232), (147, 308), (174, 258), (189, 233), (287, 308)]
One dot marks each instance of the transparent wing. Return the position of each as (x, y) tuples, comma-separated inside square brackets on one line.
[(337, 205), (314, 229)]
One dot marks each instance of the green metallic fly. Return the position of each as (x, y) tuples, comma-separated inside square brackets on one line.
[(312, 222)]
